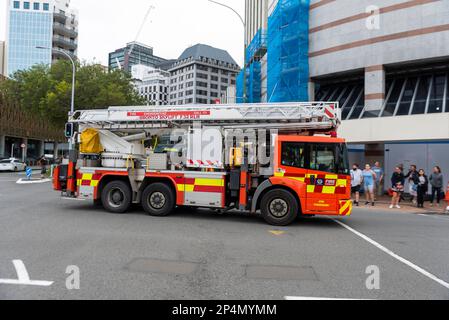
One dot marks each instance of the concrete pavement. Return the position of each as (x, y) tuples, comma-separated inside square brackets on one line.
[(196, 254)]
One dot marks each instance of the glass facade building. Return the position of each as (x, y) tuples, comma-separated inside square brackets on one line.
[(134, 54), (406, 94), (29, 27)]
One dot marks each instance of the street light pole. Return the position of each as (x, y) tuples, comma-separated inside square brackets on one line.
[(71, 172), (244, 43), (72, 101)]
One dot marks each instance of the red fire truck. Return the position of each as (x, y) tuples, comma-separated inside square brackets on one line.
[(282, 160)]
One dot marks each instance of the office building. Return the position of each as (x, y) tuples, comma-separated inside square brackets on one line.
[(200, 75), (2, 58), (152, 84), (386, 63), (36, 27), (134, 53), (29, 25)]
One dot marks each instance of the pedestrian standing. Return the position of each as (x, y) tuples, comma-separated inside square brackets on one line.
[(369, 181), (356, 182), (413, 180), (397, 183), (380, 178), (436, 181), (423, 187)]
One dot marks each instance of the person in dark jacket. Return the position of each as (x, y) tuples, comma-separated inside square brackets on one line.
[(397, 183), (423, 187), (436, 181)]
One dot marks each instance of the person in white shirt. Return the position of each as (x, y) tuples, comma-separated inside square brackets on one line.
[(356, 182)]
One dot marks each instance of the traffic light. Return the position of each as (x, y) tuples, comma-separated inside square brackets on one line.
[(69, 130)]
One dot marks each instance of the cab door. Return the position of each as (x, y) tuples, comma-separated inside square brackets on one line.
[(322, 180)]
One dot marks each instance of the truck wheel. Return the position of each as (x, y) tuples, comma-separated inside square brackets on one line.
[(116, 197), (158, 200), (279, 207)]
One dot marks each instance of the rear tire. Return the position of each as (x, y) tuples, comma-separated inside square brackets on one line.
[(158, 200), (116, 197), (279, 207)]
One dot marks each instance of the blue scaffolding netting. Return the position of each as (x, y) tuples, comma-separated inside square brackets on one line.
[(254, 82), (240, 90), (288, 47), (257, 46)]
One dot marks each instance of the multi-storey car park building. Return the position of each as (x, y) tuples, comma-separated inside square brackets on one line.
[(386, 63), (200, 75), (34, 28)]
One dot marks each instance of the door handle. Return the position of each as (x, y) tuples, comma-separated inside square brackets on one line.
[(312, 179)]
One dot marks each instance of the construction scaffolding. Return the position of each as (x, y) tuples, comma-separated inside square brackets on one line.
[(288, 47), (254, 82)]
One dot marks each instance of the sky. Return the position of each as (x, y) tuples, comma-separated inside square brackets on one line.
[(172, 26)]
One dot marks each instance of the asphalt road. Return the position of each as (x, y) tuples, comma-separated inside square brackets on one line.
[(202, 255)]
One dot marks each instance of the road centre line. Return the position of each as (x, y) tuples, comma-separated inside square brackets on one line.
[(394, 255)]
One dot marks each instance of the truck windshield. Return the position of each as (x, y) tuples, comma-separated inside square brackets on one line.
[(326, 157)]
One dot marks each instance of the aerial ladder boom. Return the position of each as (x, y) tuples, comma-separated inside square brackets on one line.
[(321, 116)]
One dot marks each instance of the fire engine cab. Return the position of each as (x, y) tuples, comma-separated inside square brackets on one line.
[(282, 160)]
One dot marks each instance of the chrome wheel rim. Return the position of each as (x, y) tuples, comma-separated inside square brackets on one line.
[(157, 200), (279, 208)]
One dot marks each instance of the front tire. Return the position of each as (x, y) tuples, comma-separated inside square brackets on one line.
[(116, 197), (279, 207), (158, 200)]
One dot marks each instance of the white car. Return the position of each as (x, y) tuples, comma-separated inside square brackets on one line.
[(12, 165)]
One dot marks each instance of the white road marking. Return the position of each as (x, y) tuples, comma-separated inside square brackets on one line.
[(396, 256), (291, 298), (26, 181), (23, 278)]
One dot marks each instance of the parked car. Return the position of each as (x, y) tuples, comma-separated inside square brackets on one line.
[(12, 165)]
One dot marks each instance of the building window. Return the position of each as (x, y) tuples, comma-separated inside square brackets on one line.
[(422, 95), (46, 7), (26, 5), (407, 97), (395, 94), (437, 94), (16, 4), (36, 6)]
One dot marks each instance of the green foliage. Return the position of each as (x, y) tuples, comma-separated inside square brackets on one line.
[(46, 91)]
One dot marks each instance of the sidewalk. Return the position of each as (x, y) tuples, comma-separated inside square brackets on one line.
[(406, 206)]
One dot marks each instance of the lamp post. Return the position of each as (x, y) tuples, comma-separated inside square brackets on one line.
[(244, 43), (72, 152), (72, 102)]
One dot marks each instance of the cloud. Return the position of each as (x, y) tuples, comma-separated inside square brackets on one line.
[(172, 26)]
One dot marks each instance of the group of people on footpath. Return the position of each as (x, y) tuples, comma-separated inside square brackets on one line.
[(371, 181)]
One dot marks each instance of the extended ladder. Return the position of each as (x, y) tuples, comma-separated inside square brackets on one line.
[(297, 116)]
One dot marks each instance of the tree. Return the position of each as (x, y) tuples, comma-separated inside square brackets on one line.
[(46, 91)]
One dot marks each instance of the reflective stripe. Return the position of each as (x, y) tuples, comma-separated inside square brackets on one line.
[(202, 185), (329, 190), (346, 209), (209, 182), (87, 176)]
